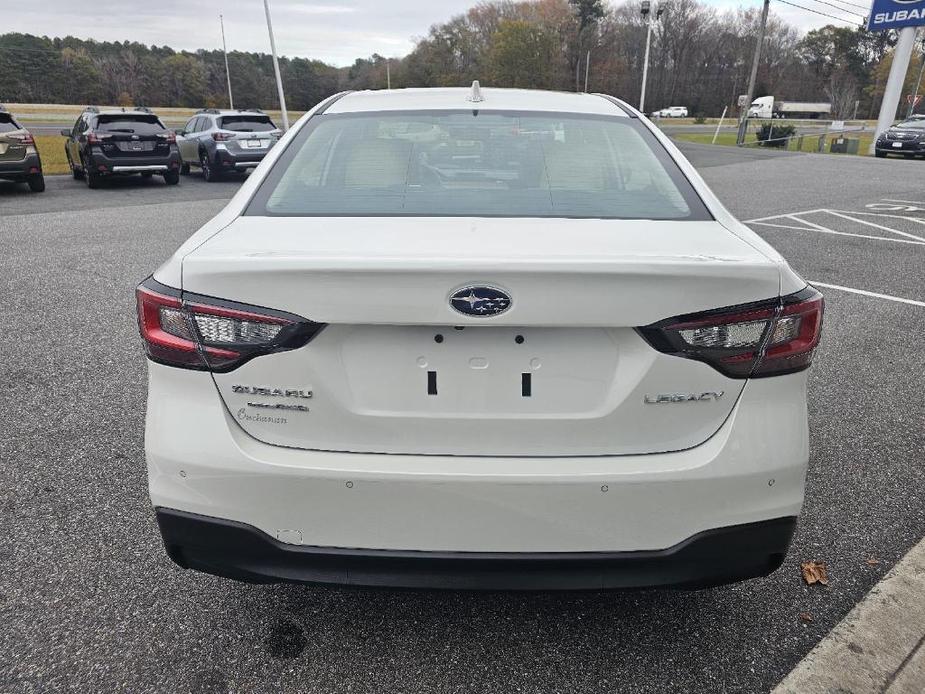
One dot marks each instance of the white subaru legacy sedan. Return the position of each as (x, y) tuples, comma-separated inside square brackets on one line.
[(481, 338)]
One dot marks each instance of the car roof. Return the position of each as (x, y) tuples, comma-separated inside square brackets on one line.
[(230, 112), (122, 112), (492, 99)]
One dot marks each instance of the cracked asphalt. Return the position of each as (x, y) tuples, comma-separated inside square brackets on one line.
[(89, 601)]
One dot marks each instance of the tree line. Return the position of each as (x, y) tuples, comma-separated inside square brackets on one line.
[(700, 58)]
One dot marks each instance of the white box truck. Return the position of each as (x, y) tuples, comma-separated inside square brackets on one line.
[(769, 107)]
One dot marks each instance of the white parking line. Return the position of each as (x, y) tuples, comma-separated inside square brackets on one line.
[(786, 214), (908, 202), (920, 220), (872, 224), (774, 221), (823, 230), (864, 292)]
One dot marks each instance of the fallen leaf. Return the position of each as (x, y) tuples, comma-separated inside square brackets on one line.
[(814, 572), (806, 616), (872, 562)]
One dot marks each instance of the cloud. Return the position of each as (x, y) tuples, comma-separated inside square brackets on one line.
[(336, 31)]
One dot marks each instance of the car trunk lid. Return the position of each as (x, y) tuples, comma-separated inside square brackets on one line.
[(398, 370)]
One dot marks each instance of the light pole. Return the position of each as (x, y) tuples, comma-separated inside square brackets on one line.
[(894, 83), (227, 72), (918, 84), (645, 10), (279, 79)]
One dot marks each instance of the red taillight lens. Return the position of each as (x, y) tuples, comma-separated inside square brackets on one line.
[(166, 329), (202, 333), (767, 338), (222, 137), (796, 334), (26, 139), (170, 137)]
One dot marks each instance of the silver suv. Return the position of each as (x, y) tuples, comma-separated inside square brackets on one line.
[(226, 141)]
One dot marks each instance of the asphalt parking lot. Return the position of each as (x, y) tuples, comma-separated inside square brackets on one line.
[(89, 601)]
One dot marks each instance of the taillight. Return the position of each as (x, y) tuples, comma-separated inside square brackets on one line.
[(198, 332), (25, 139), (222, 137), (765, 338), (96, 139), (170, 137)]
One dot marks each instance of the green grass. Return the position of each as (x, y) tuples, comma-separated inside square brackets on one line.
[(51, 150), (810, 143)]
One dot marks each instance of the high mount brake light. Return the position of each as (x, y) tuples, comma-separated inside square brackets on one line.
[(765, 338), (197, 332)]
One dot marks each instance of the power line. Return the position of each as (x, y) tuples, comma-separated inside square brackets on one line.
[(860, 7), (840, 9), (824, 14)]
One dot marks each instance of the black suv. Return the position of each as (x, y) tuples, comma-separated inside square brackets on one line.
[(119, 142), (19, 159), (906, 138)]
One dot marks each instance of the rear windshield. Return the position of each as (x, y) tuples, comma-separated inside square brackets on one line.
[(135, 125), (247, 124), (6, 124), (480, 164)]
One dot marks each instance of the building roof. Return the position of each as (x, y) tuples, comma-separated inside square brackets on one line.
[(492, 99)]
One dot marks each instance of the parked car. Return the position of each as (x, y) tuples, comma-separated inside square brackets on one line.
[(221, 142), (19, 159), (672, 112), (120, 142), (906, 138), (488, 359)]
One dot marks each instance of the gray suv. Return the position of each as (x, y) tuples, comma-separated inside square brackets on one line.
[(223, 141)]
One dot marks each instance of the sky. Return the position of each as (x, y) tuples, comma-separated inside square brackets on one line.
[(336, 31)]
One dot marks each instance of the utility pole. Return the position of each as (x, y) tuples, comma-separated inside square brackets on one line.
[(227, 72), (279, 79), (587, 68), (645, 9), (762, 27), (894, 83), (388, 74)]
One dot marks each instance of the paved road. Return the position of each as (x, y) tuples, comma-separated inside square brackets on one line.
[(89, 602)]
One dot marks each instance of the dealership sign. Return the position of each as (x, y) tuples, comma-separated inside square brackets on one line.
[(895, 14)]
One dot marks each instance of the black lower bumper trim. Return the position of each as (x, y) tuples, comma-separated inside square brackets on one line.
[(242, 552), (21, 169)]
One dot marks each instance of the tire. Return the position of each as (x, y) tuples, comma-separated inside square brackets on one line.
[(208, 173), (36, 183), (93, 180), (172, 178), (184, 169), (75, 172)]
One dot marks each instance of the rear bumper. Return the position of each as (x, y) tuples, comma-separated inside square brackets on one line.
[(239, 551), (603, 508), (130, 165), (21, 168), (230, 159)]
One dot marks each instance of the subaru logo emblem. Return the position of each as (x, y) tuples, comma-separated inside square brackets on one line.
[(480, 300)]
